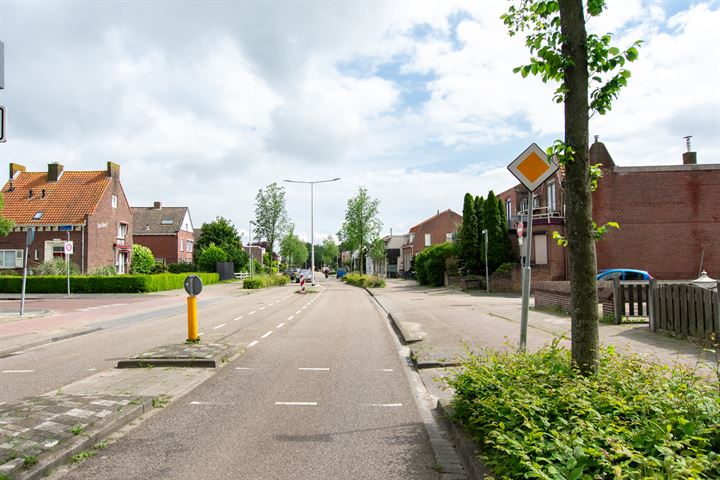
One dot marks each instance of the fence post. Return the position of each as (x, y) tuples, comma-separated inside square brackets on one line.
[(651, 303), (618, 301)]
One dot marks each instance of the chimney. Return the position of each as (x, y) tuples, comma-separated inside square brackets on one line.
[(689, 157), (599, 154), (15, 168), (113, 170), (55, 171), (157, 205)]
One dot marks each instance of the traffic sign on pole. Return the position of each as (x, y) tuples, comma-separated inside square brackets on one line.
[(520, 229), (532, 168), (69, 248)]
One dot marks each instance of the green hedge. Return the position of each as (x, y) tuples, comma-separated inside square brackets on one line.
[(430, 264), (262, 281), (366, 281), (102, 284), (536, 417)]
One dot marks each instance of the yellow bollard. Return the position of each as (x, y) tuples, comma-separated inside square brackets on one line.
[(192, 320)]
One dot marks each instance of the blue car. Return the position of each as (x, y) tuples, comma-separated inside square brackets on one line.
[(623, 274), (340, 272)]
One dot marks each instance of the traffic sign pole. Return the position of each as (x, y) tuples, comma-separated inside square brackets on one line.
[(67, 261), (526, 274)]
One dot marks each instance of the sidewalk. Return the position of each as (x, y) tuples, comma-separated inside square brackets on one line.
[(437, 323), (40, 433)]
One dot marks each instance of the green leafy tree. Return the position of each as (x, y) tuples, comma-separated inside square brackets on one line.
[(210, 256), (507, 252), (479, 205), (5, 224), (362, 223), (271, 218), (469, 244), (142, 260), (377, 250), (491, 220), (293, 250), (590, 73), (330, 251), (223, 234)]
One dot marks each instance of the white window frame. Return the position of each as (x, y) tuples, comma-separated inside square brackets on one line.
[(428, 240), (448, 237), (189, 246), (113, 201), (122, 233), (508, 208), (18, 258), (551, 201), (50, 246), (182, 245)]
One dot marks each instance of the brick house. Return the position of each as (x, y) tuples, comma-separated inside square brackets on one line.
[(439, 228), (167, 231), (87, 207), (668, 215)]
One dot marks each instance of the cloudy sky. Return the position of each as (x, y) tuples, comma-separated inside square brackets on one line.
[(203, 103)]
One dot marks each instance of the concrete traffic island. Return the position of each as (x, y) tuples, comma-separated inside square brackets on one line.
[(194, 355)]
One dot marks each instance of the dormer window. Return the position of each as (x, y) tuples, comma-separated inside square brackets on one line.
[(30, 193), (166, 221), (37, 216)]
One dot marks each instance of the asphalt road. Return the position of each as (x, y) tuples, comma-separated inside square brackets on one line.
[(321, 393)]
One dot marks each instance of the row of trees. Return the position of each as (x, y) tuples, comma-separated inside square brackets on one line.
[(360, 230), (480, 214)]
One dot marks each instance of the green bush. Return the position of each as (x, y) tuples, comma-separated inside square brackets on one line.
[(182, 267), (142, 260), (209, 258), (262, 281), (535, 417), (506, 267), (56, 266), (366, 281), (102, 284), (106, 271), (430, 263), (160, 267)]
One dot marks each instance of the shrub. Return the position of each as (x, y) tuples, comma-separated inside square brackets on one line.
[(56, 266), (538, 418), (159, 267), (142, 260), (262, 281), (106, 271), (209, 257), (106, 284), (366, 281), (430, 263), (182, 267), (506, 267)]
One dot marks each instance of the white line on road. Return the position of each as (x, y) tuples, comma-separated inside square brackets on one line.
[(237, 318), (242, 368), (304, 307), (315, 369), (251, 313), (311, 404), (252, 344), (291, 317), (18, 371), (262, 308), (201, 333), (199, 403), (219, 326), (280, 325), (386, 404), (298, 312), (267, 334)]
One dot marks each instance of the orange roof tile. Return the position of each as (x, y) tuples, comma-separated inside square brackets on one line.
[(66, 201)]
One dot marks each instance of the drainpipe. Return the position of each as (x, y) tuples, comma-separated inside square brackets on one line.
[(82, 248)]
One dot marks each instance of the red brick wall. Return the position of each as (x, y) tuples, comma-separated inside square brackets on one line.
[(16, 241), (167, 247), (437, 227), (102, 228), (667, 216)]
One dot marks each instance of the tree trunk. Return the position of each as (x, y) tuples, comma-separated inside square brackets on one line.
[(580, 236)]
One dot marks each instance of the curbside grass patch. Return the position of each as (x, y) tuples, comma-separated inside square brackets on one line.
[(366, 281), (262, 281), (536, 417)]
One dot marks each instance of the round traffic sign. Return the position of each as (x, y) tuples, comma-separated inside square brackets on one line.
[(193, 285), (69, 248), (520, 229)]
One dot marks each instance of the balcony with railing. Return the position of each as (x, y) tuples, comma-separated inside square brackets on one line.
[(541, 216)]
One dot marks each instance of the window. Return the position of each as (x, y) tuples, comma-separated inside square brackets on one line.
[(508, 209), (58, 251), (122, 231), (551, 196), (122, 261), (523, 206), (181, 246), (11, 258), (448, 237), (536, 201), (166, 221), (189, 246), (37, 254), (427, 240), (37, 216), (114, 201)]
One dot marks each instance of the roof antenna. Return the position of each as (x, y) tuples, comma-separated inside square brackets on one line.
[(596, 138), (687, 142)]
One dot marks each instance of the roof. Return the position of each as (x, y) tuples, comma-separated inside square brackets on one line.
[(65, 202), (157, 221), (448, 211), (394, 241)]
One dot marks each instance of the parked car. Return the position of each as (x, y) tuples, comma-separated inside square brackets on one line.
[(623, 274), (306, 274), (340, 272)]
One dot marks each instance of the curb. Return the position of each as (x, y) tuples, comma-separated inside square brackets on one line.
[(216, 361), (45, 341), (420, 363), (99, 431), (466, 446), (405, 336)]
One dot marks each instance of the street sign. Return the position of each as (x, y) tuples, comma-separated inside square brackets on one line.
[(30, 237), (69, 248), (533, 167), (3, 138), (65, 228), (193, 285), (520, 229)]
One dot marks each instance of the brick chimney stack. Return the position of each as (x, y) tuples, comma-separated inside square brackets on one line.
[(113, 170), (55, 171), (157, 205), (689, 157), (15, 168)]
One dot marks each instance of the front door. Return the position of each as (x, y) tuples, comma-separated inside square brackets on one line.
[(122, 262)]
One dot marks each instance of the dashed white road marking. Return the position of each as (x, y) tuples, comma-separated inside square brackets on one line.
[(266, 334), (252, 344), (87, 309), (18, 371), (315, 369), (252, 313), (298, 312), (237, 318), (201, 333), (385, 404), (280, 325), (199, 403), (291, 317), (219, 326), (304, 307), (92, 369), (262, 308), (310, 404), (242, 368)]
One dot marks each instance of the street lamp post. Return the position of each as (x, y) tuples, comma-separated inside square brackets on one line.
[(250, 261), (312, 226)]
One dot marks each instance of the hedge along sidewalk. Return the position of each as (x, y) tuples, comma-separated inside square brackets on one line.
[(102, 284)]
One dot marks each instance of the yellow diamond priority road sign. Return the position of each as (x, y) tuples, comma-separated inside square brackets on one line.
[(532, 167)]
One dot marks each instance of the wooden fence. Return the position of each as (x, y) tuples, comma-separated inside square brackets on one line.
[(630, 298), (685, 309)]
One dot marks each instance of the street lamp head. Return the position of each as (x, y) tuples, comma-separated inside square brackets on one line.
[(484, 231)]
